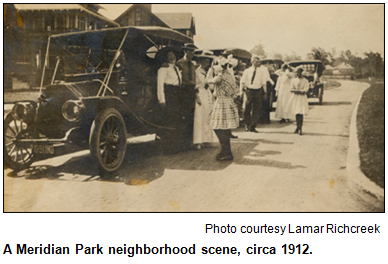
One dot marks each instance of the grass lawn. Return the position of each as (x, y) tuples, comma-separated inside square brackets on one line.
[(370, 128), (331, 84)]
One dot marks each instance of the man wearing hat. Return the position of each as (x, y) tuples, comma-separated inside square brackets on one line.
[(254, 83), (188, 95)]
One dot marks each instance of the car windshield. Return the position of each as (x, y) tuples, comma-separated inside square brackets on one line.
[(75, 60), (308, 68)]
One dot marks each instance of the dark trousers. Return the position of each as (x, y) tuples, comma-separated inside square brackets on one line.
[(224, 138), (266, 108), (299, 121), (187, 107), (253, 107)]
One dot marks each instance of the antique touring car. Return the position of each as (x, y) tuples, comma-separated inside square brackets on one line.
[(312, 72), (101, 89)]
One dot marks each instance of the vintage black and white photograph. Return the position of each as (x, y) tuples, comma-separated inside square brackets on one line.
[(193, 108)]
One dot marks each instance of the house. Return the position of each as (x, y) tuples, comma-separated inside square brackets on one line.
[(28, 26), (139, 15), (328, 70), (344, 70), (182, 22)]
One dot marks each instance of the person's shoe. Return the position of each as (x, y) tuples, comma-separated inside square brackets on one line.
[(232, 136), (246, 128), (282, 121), (296, 131), (219, 155), (225, 158), (253, 130), (300, 132)]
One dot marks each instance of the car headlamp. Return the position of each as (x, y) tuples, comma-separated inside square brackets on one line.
[(71, 110), (24, 111)]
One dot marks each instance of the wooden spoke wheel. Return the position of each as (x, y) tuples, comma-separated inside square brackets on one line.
[(17, 155), (108, 140)]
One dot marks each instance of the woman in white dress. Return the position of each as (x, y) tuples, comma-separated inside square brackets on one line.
[(282, 88), (298, 103), (203, 132)]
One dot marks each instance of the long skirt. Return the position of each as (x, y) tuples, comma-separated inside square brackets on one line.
[(203, 132), (282, 108)]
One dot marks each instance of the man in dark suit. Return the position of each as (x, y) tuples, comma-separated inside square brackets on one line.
[(188, 95)]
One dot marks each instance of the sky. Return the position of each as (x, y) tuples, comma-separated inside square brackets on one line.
[(282, 28)]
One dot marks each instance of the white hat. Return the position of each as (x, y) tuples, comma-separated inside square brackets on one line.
[(206, 54), (255, 56), (222, 60)]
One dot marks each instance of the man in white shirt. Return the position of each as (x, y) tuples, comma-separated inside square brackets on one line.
[(254, 83)]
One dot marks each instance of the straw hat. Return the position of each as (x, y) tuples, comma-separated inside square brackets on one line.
[(207, 54), (189, 46), (254, 57)]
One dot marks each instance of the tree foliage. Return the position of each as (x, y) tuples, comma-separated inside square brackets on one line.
[(319, 54), (292, 57), (259, 50)]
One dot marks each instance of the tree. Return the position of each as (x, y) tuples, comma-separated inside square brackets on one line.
[(259, 50), (292, 57), (278, 56), (374, 64), (319, 54)]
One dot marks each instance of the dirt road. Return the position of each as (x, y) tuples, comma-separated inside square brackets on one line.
[(274, 170)]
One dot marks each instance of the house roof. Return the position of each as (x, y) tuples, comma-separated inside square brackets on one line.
[(145, 10), (328, 67), (43, 7), (344, 66), (177, 20)]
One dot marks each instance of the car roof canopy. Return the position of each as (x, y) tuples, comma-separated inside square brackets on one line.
[(138, 39), (301, 62), (237, 53)]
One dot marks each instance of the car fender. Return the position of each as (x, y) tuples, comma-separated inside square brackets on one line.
[(95, 105)]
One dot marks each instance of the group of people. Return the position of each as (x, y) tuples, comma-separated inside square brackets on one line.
[(198, 100)]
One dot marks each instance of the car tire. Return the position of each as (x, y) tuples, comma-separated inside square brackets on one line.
[(108, 140), (16, 156), (320, 96)]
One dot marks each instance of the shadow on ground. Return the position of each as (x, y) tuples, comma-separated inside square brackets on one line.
[(331, 103), (144, 163)]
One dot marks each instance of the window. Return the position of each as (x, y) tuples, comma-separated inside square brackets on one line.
[(61, 22), (138, 17), (50, 22), (81, 23)]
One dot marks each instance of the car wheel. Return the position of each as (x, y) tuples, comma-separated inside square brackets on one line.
[(17, 156), (108, 140), (320, 96)]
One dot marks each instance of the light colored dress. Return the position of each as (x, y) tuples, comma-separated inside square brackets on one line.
[(203, 133), (225, 113), (298, 103), (283, 86)]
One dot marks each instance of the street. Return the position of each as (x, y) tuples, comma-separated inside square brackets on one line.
[(274, 170)]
